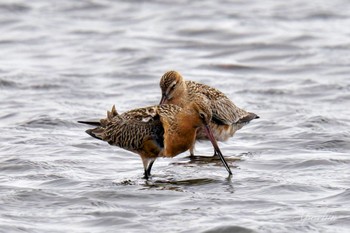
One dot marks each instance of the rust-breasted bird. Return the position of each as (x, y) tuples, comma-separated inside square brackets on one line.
[(227, 118), (156, 131)]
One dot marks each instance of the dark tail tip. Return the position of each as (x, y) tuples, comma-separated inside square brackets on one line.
[(252, 116), (248, 118), (92, 134), (94, 123)]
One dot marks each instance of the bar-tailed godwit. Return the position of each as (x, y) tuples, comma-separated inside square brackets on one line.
[(227, 118), (163, 130)]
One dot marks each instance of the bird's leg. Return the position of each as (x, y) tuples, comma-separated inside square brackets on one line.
[(147, 166), (217, 149), (148, 170), (192, 150), (145, 176)]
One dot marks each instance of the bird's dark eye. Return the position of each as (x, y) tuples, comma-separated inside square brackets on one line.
[(201, 115), (173, 87)]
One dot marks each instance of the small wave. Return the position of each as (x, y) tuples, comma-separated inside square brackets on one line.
[(236, 67), (325, 16), (84, 6), (287, 189), (47, 122), (7, 84), (310, 163), (270, 91), (60, 182), (229, 229), (9, 115), (46, 86), (341, 197), (302, 38), (330, 145), (14, 7), (22, 166), (322, 122)]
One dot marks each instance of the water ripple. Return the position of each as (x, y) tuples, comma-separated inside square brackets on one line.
[(72, 60)]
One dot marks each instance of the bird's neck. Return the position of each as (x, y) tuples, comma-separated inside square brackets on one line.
[(182, 98)]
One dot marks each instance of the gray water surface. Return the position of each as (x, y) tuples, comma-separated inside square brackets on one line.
[(63, 61)]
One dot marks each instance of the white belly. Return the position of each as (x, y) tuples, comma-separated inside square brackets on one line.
[(220, 132)]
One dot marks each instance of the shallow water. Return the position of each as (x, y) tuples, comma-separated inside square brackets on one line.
[(65, 61)]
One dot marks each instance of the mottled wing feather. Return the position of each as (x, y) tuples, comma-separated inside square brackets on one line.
[(141, 114), (130, 135), (167, 114), (223, 109), (130, 129), (211, 92)]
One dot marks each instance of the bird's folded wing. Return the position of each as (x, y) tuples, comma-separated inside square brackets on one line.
[(147, 114), (225, 112)]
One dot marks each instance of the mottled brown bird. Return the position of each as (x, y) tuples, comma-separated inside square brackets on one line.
[(227, 118), (162, 130)]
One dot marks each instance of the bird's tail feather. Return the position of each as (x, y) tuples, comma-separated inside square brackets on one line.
[(103, 122), (94, 123), (248, 118), (96, 133), (99, 131)]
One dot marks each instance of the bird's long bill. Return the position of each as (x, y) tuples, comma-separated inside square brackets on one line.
[(162, 101), (216, 148)]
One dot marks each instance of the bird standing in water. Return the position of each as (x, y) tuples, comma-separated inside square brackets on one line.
[(156, 131), (226, 119)]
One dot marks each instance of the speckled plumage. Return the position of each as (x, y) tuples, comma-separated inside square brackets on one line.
[(162, 130), (227, 118)]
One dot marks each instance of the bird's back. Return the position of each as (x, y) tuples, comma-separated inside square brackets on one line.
[(131, 129), (224, 111)]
